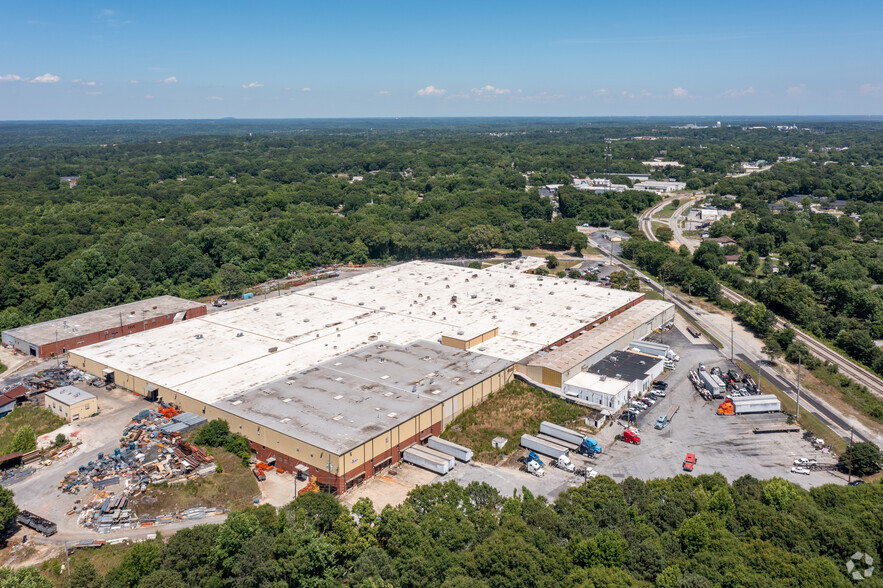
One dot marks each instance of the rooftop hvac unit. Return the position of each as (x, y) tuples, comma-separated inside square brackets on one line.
[(273, 349)]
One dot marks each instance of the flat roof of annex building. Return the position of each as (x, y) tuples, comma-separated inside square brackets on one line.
[(223, 353), (598, 383), (101, 320), (69, 395), (608, 333), (350, 399), (626, 365)]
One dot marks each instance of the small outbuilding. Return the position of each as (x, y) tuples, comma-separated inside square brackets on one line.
[(71, 403), (598, 390)]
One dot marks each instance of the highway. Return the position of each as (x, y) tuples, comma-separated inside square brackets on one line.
[(845, 366)]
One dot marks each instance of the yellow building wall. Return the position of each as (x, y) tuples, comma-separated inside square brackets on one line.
[(304, 452)]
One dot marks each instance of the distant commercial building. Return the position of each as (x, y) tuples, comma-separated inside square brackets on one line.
[(71, 403), (660, 163), (660, 187), (69, 180), (57, 337)]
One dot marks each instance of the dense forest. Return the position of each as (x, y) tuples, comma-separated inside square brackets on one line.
[(202, 208), (685, 532)]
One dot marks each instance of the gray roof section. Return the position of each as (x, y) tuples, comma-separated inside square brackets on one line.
[(348, 400), (69, 395), (625, 365), (101, 320)]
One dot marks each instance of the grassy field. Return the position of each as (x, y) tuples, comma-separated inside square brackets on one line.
[(36, 417), (668, 210), (807, 421), (849, 391), (235, 487), (511, 412)]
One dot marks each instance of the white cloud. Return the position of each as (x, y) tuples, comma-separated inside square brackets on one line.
[(384, 92), (214, 98), (169, 80), (133, 82), (84, 83), (94, 93), (601, 92), (679, 92), (11, 78), (489, 91), (646, 93), (797, 90), (148, 97), (871, 89), (431, 91), (732, 93), (253, 85), (46, 78), (305, 89)]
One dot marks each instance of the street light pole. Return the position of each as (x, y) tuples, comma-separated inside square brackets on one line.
[(799, 365)]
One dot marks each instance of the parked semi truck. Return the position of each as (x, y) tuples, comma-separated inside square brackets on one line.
[(750, 405), (657, 349), (543, 447), (585, 445), (712, 383), (37, 523), (664, 419)]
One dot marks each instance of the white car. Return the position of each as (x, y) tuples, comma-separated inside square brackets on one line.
[(590, 473), (660, 393), (804, 461), (800, 470)]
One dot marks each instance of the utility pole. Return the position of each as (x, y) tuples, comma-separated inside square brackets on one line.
[(799, 365), (731, 340), (850, 455)]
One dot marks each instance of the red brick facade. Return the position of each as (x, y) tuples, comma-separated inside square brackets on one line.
[(340, 484), (81, 340)]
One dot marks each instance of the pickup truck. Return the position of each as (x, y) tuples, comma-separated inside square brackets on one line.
[(689, 462)]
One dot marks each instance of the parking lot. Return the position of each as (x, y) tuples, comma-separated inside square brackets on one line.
[(725, 444)]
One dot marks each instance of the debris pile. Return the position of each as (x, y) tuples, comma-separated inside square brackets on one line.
[(151, 451)]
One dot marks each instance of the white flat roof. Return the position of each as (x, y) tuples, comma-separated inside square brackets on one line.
[(217, 355), (69, 395), (596, 383)]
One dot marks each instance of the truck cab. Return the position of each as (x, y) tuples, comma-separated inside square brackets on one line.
[(630, 436), (661, 421), (565, 464), (589, 447), (689, 462)]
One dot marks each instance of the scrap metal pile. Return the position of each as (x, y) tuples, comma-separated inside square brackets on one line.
[(151, 451)]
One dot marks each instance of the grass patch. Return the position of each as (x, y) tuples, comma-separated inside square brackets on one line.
[(668, 210), (852, 393), (234, 487), (511, 412), (652, 294), (807, 421), (41, 420), (2, 367)]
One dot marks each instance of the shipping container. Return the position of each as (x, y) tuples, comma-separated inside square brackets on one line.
[(458, 451), (439, 454), (423, 460), (562, 433), (756, 404), (543, 447)]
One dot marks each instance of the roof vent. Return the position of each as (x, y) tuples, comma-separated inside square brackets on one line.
[(240, 335), (199, 336), (273, 349)]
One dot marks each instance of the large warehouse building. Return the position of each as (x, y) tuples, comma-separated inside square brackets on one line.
[(57, 337), (394, 355)]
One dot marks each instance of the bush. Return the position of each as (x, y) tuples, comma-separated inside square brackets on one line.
[(217, 434), (60, 440)]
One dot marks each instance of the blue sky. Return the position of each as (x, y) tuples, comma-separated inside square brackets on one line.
[(201, 59)]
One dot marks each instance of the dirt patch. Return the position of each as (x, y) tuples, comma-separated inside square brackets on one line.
[(511, 412), (234, 487)]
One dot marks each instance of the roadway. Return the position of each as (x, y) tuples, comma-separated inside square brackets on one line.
[(825, 413), (845, 366)]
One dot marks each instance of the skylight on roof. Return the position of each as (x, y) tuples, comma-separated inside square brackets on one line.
[(338, 397), (338, 417), (285, 420)]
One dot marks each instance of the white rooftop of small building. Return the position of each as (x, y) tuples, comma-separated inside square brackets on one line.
[(597, 383), (217, 355), (69, 395)]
